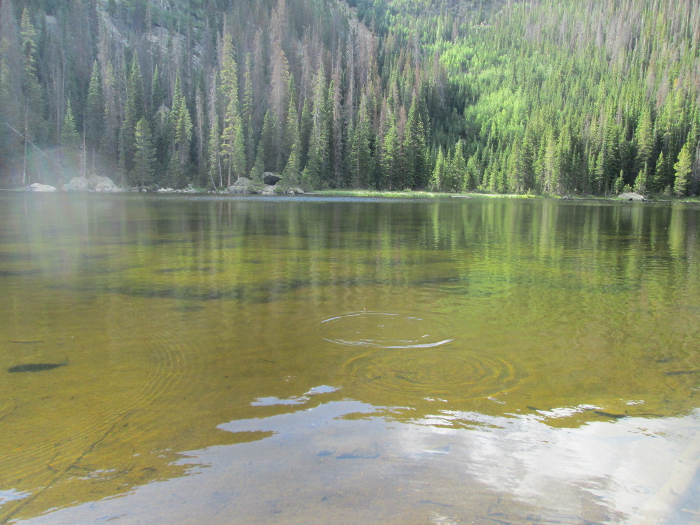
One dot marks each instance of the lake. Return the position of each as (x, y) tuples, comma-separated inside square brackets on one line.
[(180, 359)]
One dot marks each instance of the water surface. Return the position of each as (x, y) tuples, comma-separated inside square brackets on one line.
[(315, 360)]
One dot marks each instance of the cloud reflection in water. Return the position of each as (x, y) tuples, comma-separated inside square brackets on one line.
[(349, 462)]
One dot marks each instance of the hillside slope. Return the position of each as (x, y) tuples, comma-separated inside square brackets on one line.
[(538, 96)]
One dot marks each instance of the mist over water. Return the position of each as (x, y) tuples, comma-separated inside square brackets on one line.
[(316, 360)]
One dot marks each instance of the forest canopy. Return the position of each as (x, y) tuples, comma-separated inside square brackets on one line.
[(532, 96)]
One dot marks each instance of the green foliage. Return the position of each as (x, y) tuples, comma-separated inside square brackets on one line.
[(547, 96), (683, 170), (142, 173), (69, 136)]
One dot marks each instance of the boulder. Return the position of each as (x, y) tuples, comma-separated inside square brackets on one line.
[(41, 187), (245, 186), (102, 184), (77, 184), (631, 197), (270, 179)]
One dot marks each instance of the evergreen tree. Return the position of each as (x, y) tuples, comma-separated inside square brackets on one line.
[(318, 166), (459, 169), (292, 166), (180, 124), (361, 163), (232, 147), (644, 138), (157, 93), (683, 170), (69, 136), (290, 175), (142, 173), (132, 114), (413, 149), (389, 151), (214, 150), (31, 90), (438, 175), (94, 111), (641, 183), (247, 111)]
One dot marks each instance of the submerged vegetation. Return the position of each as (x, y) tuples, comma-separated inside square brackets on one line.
[(519, 97)]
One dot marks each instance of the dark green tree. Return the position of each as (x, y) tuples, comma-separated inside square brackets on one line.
[(142, 172)]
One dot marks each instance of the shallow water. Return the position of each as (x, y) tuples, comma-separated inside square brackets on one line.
[(315, 360)]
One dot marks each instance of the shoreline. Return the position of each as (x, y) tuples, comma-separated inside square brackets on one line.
[(405, 194)]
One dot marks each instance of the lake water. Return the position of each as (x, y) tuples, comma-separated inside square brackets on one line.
[(316, 360)]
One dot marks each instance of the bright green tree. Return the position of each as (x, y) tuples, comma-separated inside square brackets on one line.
[(683, 169), (69, 136)]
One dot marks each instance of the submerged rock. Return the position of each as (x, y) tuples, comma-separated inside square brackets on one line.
[(34, 367), (631, 197)]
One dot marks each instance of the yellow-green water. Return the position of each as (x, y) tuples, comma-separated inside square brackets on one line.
[(325, 360)]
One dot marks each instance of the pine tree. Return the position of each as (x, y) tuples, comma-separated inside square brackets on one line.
[(389, 151), (318, 165), (69, 136), (180, 124), (247, 111), (132, 114), (641, 183), (214, 150), (644, 138), (459, 168), (94, 112), (31, 89), (157, 93), (232, 147), (142, 173), (290, 174), (413, 149), (438, 175), (360, 157), (683, 169), (660, 179), (305, 131)]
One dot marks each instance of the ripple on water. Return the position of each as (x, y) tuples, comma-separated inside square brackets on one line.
[(384, 330), (448, 373)]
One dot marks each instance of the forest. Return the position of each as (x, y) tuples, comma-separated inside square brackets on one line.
[(550, 97)]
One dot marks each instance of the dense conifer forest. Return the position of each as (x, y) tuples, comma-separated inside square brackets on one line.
[(540, 96)]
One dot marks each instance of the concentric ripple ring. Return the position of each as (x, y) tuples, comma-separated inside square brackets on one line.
[(447, 372), (384, 330)]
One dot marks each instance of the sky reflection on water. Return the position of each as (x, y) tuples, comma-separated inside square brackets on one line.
[(340, 462)]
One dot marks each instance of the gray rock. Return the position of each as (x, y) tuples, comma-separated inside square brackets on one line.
[(77, 184), (631, 197), (41, 187), (245, 186), (102, 184), (270, 179)]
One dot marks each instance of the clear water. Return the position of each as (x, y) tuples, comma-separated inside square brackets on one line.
[(313, 360)]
